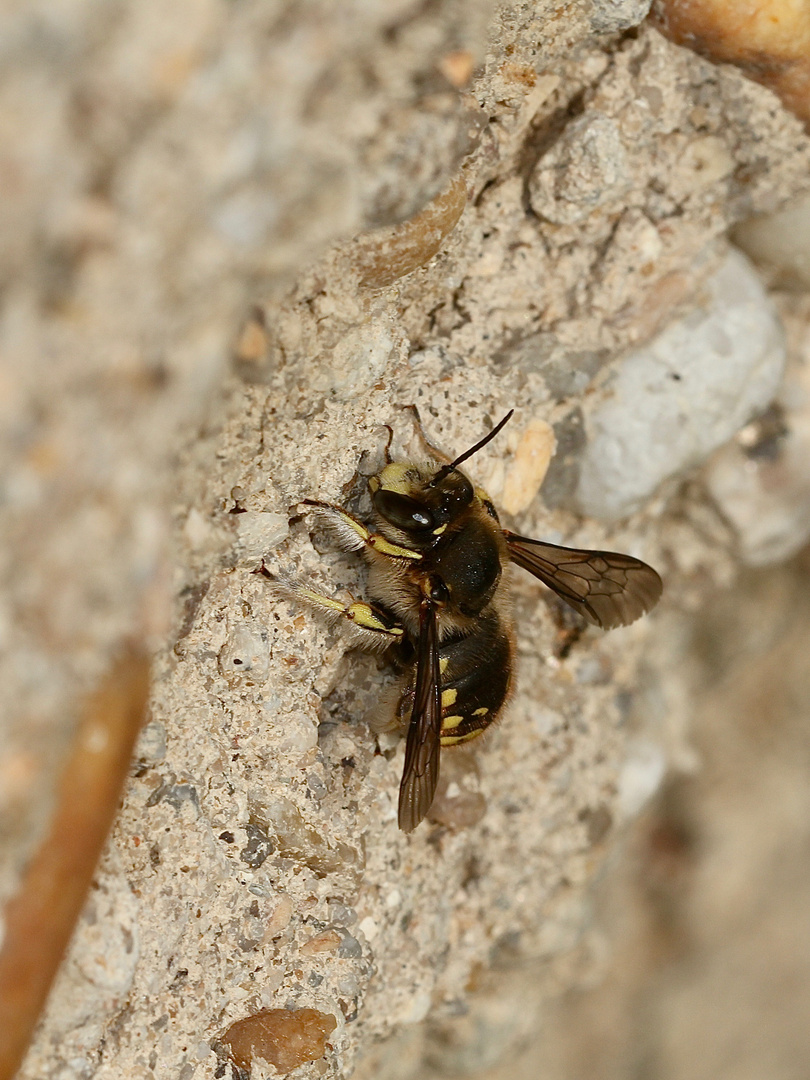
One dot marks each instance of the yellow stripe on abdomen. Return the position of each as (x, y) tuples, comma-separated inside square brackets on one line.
[(452, 740)]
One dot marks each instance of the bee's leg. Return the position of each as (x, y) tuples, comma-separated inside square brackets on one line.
[(371, 628), (393, 712), (387, 450), (352, 535), (426, 447)]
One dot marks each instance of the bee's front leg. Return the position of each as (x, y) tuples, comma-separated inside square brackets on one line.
[(352, 535)]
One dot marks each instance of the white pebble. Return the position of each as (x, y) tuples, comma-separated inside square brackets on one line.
[(670, 404), (259, 533), (640, 776), (368, 927), (245, 656)]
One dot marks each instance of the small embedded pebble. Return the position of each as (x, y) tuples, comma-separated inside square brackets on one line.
[(259, 846), (350, 948), (316, 787), (527, 472), (348, 986), (286, 1038), (297, 839), (340, 914), (259, 532), (280, 919), (328, 941), (587, 167), (245, 656)]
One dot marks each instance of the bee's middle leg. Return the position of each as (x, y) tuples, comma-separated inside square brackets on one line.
[(372, 628)]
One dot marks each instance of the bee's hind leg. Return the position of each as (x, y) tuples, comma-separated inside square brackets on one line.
[(392, 714)]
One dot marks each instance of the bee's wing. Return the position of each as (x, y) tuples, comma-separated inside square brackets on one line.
[(609, 589), (421, 773)]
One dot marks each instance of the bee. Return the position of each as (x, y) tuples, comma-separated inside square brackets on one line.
[(438, 563)]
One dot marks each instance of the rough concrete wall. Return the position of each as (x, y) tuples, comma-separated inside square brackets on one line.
[(180, 344)]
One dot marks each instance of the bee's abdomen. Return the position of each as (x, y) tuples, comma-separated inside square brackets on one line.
[(476, 677)]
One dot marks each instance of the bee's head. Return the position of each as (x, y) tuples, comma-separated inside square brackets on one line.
[(421, 502), (418, 501)]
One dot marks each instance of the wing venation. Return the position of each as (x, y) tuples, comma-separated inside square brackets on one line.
[(607, 588)]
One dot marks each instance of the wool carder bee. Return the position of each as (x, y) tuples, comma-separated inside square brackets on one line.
[(440, 609)]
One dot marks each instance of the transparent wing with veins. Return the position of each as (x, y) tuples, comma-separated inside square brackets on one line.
[(607, 588)]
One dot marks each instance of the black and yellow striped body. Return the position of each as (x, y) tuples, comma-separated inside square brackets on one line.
[(476, 679), (467, 554)]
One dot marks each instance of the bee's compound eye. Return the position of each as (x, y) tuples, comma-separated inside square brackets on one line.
[(402, 511)]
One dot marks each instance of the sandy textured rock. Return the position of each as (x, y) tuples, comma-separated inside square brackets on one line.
[(186, 186), (771, 41)]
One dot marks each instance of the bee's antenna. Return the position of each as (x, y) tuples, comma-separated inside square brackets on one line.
[(440, 475)]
